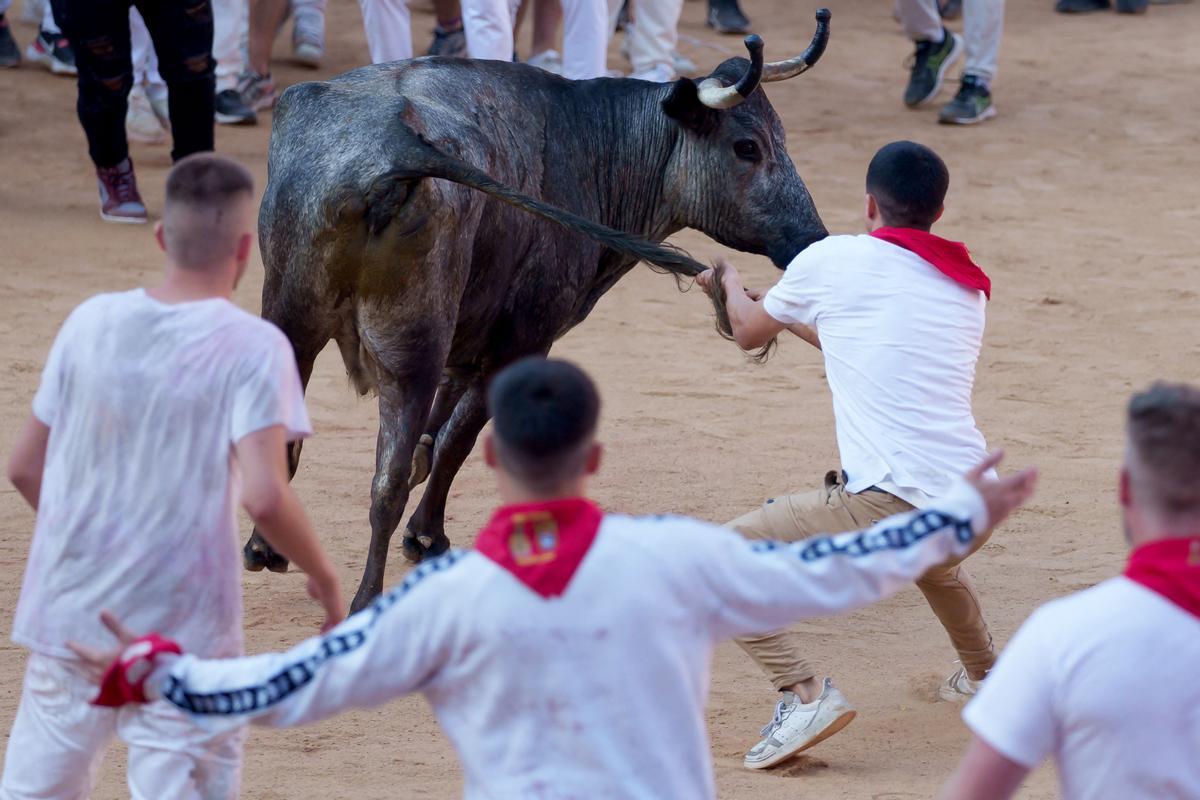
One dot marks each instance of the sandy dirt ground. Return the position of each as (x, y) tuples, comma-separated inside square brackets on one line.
[(1075, 200)]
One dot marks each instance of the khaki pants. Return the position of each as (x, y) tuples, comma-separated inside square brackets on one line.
[(947, 588)]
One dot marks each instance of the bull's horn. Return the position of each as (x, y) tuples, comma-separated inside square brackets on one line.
[(782, 70), (715, 94)]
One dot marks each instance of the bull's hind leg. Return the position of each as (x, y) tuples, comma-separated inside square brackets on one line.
[(425, 535)]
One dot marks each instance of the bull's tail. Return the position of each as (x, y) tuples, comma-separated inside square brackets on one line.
[(433, 163)]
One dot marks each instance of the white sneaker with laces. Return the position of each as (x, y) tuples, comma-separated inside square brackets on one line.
[(959, 687), (308, 37), (141, 123), (798, 726)]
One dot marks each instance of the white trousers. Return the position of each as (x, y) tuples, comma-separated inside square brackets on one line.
[(230, 18), (983, 25), (145, 60), (388, 28), (489, 27), (654, 36), (58, 740)]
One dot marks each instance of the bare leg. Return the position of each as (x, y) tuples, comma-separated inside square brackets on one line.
[(448, 13), (547, 17), (265, 18)]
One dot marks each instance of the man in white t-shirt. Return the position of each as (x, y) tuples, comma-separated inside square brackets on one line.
[(158, 412), (899, 316), (562, 650), (1107, 680)]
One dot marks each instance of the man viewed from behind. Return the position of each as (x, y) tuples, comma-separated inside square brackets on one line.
[(158, 412), (570, 642), (1107, 681)]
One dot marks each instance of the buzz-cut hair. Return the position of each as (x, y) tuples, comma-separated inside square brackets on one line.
[(544, 416), (909, 183), (199, 226), (1163, 427)]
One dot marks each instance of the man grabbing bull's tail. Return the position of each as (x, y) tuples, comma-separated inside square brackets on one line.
[(570, 643), (899, 315)]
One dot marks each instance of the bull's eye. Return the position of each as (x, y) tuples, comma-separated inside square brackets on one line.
[(747, 150)]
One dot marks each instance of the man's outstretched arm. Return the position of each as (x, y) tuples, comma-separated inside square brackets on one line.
[(984, 774)]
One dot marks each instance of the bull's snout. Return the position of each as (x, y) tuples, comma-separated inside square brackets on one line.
[(795, 244)]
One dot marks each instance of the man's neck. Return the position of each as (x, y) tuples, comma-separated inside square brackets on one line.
[(181, 285), (512, 493)]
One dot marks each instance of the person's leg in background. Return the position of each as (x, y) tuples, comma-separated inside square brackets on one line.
[(51, 48), (725, 16), (983, 27), (308, 32), (10, 53), (585, 39), (170, 756), (543, 49), (449, 37), (489, 27), (256, 88), (58, 737), (950, 592), (182, 33), (937, 48), (653, 40), (389, 29), (229, 17), (100, 29), (142, 123)]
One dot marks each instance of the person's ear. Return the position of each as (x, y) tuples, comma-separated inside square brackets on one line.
[(244, 245), (1125, 490), (938, 216), (595, 456), (489, 451), (158, 236)]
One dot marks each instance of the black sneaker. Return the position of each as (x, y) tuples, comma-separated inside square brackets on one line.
[(10, 54), (930, 62), (1132, 6), (229, 109), (449, 43), (1081, 6), (972, 104), (53, 51), (724, 16)]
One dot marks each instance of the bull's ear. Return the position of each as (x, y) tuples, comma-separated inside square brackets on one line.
[(683, 105)]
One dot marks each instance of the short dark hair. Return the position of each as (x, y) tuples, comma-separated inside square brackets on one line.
[(544, 414), (200, 191), (909, 183), (1164, 435)]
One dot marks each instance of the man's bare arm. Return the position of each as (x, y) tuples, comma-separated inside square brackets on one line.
[(28, 460), (752, 326), (984, 774), (269, 500)]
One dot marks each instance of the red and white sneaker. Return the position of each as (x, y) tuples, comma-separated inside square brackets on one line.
[(119, 198), (257, 91), (53, 51)]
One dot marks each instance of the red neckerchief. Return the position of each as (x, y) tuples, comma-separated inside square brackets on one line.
[(952, 259), (541, 544), (1170, 567)]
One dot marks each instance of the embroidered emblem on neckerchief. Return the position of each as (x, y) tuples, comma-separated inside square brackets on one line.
[(1171, 568), (541, 544)]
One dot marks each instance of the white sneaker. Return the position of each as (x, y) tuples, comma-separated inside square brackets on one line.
[(308, 37), (141, 123), (683, 65), (798, 726), (549, 60), (959, 688), (659, 73)]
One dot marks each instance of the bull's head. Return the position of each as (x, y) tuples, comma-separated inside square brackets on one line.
[(731, 174)]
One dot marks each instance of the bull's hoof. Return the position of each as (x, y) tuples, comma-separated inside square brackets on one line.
[(418, 548), (256, 556)]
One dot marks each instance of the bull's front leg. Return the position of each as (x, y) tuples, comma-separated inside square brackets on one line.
[(425, 535)]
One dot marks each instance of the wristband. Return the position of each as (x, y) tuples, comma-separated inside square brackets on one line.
[(125, 679)]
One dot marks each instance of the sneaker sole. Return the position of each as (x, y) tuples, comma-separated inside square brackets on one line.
[(955, 54), (124, 220), (988, 113), (832, 728), (308, 56), (234, 119)]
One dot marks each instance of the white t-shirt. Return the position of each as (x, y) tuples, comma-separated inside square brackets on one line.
[(137, 513), (1108, 682), (900, 341)]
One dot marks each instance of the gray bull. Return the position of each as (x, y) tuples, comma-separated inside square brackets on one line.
[(396, 221)]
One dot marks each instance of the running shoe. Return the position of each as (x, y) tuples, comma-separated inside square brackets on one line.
[(549, 60), (797, 726), (228, 109), (10, 54), (308, 37), (725, 16), (683, 65), (53, 51), (119, 198), (959, 688), (257, 91), (929, 64), (141, 123), (972, 104), (451, 43), (1081, 6), (659, 73)]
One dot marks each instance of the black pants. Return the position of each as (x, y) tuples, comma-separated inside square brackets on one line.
[(182, 32)]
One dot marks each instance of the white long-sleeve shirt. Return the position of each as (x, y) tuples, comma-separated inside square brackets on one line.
[(575, 696)]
